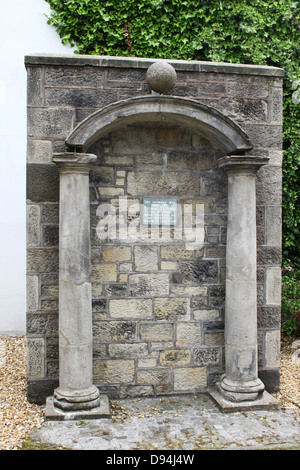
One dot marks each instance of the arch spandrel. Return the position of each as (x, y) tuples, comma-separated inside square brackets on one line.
[(222, 131)]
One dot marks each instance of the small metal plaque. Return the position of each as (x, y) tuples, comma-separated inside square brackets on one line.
[(159, 211)]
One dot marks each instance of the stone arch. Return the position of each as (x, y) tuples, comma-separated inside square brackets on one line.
[(222, 131)]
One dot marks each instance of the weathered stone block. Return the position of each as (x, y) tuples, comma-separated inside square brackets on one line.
[(168, 184), (272, 349), (188, 290), (188, 335), (130, 308), (175, 357), (110, 191), (269, 317), (147, 362), (79, 97), (206, 314), (50, 235), (32, 291), (115, 290), (153, 376), (49, 122), (133, 140), (116, 253), (128, 350), (156, 332), (268, 186), (243, 109), (145, 285), (116, 371), (273, 286), (125, 160), (35, 92), (200, 271), (102, 175), (205, 356), (33, 237), (74, 76), (168, 138), (104, 272), (42, 260), (105, 330), (42, 183), (39, 151), (172, 309), (190, 378), (42, 324), (175, 252), (35, 358), (146, 258), (273, 225)]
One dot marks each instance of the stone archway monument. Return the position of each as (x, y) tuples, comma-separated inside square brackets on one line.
[(151, 316)]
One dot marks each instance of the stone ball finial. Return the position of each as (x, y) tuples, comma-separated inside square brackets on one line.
[(161, 77)]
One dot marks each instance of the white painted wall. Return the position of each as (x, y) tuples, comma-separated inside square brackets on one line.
[(23, 31)]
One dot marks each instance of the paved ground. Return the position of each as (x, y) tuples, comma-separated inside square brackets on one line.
[(175, 423)]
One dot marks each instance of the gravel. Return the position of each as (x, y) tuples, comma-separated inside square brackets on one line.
[(18, 417)]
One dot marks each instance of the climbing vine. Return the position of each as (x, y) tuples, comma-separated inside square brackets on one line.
[(242, 31)]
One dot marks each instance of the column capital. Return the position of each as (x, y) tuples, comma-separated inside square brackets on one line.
[(74, 162), (242, 163)]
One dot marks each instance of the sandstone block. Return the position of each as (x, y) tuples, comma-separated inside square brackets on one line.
[(153, 376), (175, 252), (188, 335), (39, 151), (156, 332), (116, 253), (33, 225), (146, 258), (108, 331), (35, 358), (172, 309), (175, 357), (32, 291), (104, 272), (169, 183), (205, 356), (145, 285), (128, 350), (113, 371), (130, 308), (273, 286), (189, 378)]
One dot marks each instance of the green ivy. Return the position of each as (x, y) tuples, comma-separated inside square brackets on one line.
[(265, 32)]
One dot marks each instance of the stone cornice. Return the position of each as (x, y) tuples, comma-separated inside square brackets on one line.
[(74, 162), (242, 163), (144, 63)]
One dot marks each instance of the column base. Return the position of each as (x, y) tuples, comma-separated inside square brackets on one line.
[(264, 401), (53, 413), (73, 400)]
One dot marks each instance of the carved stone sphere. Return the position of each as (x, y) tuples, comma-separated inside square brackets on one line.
[(161, 77)]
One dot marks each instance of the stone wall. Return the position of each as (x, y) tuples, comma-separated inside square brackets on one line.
[(158, 307)]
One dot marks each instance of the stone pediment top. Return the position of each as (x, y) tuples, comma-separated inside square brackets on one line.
[(222, 131)]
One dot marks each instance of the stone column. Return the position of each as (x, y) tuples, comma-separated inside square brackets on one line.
[(76, 392), (240, 387)]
